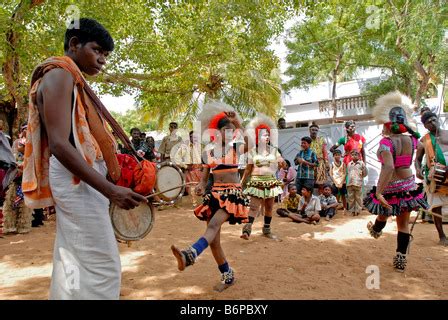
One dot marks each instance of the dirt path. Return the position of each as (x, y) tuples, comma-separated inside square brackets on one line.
[(327, 261)]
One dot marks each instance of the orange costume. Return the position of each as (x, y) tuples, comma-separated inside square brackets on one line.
[(92, 137)]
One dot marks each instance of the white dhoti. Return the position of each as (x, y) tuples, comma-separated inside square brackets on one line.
[(438, 199), (86, 260)]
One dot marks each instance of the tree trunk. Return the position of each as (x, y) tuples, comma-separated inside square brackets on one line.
[(11, 68), (333, 98), (333, 91), (423, 87)]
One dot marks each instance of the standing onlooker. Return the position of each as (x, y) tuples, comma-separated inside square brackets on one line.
[(7, 169), (306, 160), (356, 171), (352, 141), (328, 203), (281, 123), (168, 142), (319, 146), (18, 217), (154, 155), (139, 145), (188, 158), (338, 172)]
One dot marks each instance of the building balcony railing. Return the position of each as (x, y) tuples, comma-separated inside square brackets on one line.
[(348, 103)]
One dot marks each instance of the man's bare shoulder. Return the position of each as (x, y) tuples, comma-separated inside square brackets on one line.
[(56, 79)]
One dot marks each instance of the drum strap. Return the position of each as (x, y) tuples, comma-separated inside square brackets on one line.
[(101, 109), (433, 152)]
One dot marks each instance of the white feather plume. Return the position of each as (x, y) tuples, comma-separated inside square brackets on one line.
[(210, 110), (259, 119), (385, 103)]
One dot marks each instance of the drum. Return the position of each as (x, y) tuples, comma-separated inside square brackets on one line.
[(169, 176), (439, 182), (134, 224)]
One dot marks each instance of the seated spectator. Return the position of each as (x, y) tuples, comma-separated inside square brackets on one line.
[(308, 209), (328, 203), (290, 202)]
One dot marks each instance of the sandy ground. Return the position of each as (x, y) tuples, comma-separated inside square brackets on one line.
[(326, 261)]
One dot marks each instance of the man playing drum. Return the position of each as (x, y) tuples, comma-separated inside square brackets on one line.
[(435, 146), (70, 149)]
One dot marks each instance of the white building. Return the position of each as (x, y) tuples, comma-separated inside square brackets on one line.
[(303, 106)]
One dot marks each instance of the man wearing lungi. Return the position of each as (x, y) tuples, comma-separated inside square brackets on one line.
[(68, 153)]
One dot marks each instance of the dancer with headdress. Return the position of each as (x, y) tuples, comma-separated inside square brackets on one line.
[(262, 185), (225, 201), (396, 192)]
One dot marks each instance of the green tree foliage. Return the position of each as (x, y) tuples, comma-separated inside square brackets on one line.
[(409, 42), (404, 38), (170, 54), (134, 119), (324, 44)]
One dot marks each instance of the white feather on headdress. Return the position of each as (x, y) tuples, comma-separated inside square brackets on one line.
[(210, 110), (260, 119), (385, 103)]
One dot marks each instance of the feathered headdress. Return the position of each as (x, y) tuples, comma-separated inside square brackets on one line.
[(260, 122), (215, 111), (382, 111)]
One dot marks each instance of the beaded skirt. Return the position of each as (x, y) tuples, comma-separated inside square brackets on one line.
[(403, 195), (226, 196), (263, 187)]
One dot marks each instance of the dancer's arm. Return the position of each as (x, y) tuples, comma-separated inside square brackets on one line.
[(200, 188), (419, 160), (387, 170)]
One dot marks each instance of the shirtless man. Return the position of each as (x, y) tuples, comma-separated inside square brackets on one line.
[(66, 165), (439, 154)]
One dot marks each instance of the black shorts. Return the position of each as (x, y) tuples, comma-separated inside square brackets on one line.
[(339, 191)]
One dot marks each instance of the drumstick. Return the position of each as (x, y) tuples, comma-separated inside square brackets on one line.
[(174, 188), (432, 213)]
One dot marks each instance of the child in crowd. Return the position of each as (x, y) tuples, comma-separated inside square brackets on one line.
[(328, 203), (308, 209), (356, 171), (289, 202), (338, 172)]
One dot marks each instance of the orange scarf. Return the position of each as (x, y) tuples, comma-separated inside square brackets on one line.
[(93, 138)]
